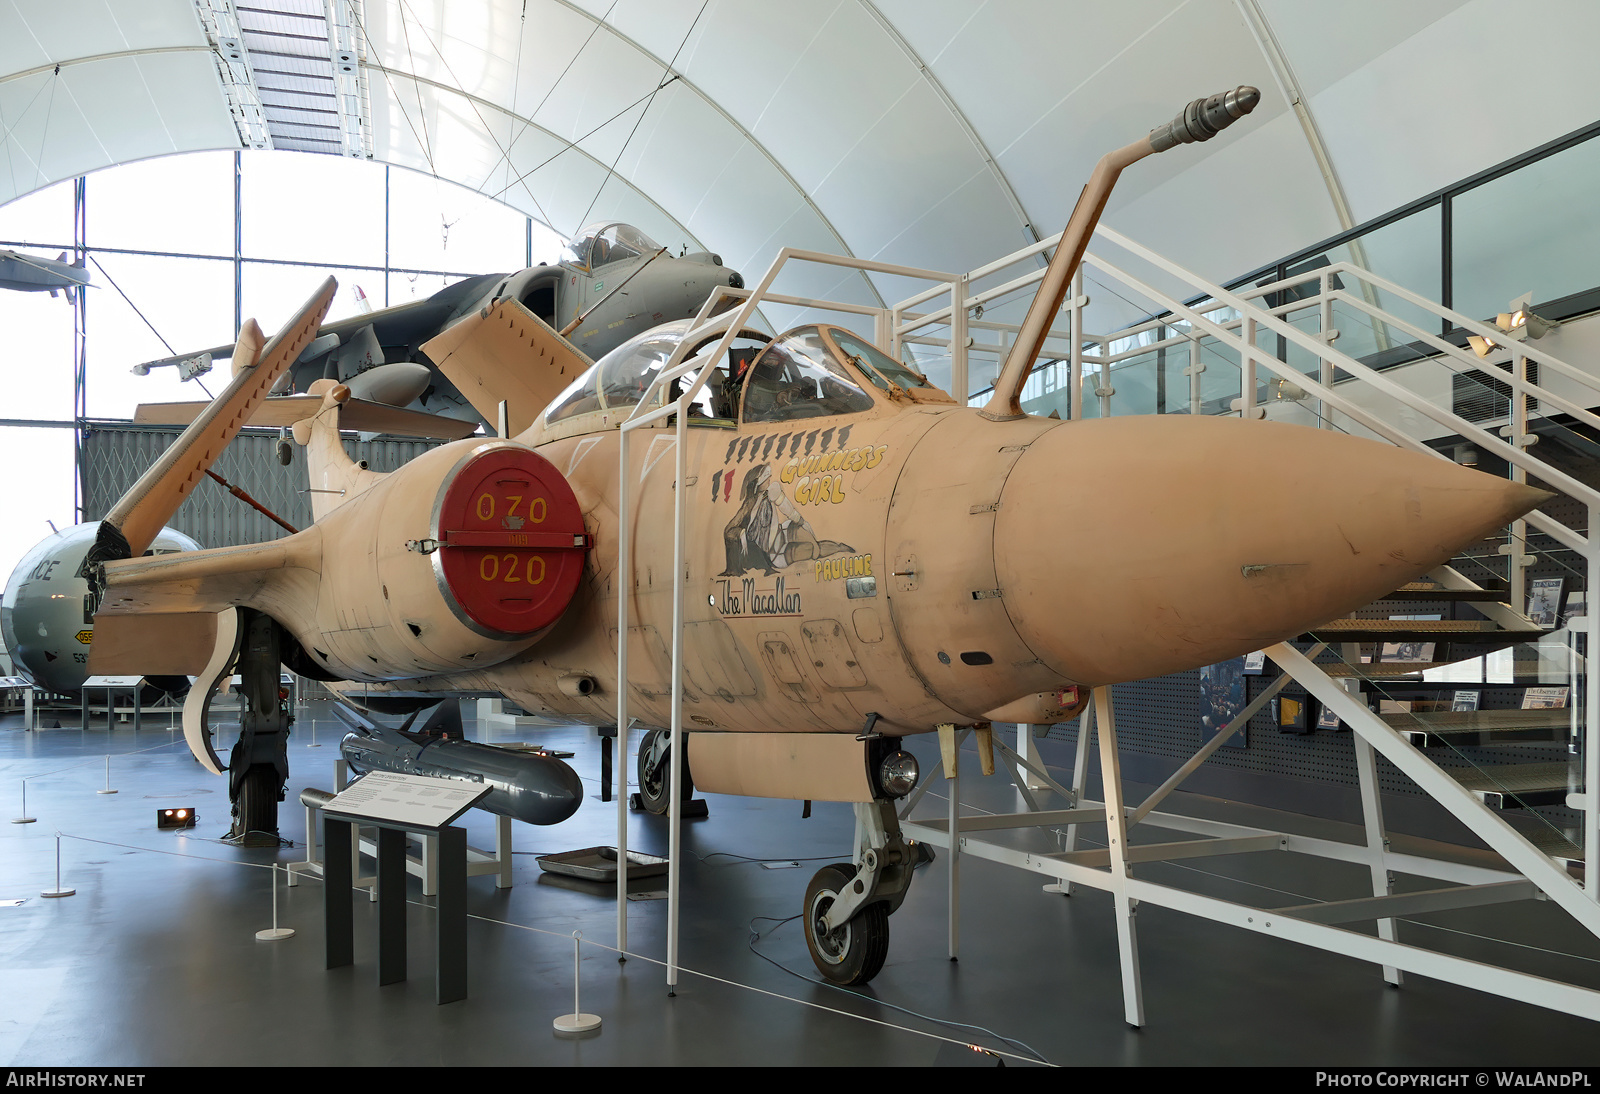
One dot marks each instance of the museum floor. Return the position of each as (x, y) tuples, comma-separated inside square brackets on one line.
[(155, 962)]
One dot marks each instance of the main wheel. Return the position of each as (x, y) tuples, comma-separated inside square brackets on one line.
[(853, 952), (255, 814), (655, 761)]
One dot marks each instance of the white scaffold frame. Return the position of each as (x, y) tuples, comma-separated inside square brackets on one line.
[(1529, 872)]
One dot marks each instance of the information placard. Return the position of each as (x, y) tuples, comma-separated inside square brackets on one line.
[(414, 801)]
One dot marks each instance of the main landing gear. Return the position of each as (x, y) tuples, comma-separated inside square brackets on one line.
[(655, 787), (258, 766)]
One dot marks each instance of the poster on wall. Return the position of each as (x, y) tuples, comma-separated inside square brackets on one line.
[(1544, 601), (1292, 714), (1544, 698), (1222, 696)]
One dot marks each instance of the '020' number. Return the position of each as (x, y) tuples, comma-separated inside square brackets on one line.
[(490, 568), (538, 508)]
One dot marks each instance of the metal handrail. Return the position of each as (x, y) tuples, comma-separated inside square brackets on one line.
[(1255, 355)]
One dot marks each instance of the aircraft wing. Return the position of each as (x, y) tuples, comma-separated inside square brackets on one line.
[(264, 576), (507, 353), (357, 415), (402, 324), (144, 510)]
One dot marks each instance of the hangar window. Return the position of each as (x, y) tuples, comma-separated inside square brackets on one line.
[(799, 376)]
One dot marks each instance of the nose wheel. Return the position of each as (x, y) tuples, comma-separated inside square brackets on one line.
[(847, 906), (854, 951)]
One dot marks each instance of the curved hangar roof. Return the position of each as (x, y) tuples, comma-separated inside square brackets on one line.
[(934, 133)]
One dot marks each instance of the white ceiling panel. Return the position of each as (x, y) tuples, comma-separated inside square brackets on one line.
[(809, 123), (1324, 43), (1449, 102), (684, 149), (742, 55), (109, 111), (748, 214), (829, 96), (660, 26), (20, 49), (904, 166), (1014, 63), (1257, 200), (38, 33), (972, 226), (1202, 48)]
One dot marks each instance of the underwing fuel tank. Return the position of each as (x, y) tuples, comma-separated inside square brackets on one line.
[(527, 786)]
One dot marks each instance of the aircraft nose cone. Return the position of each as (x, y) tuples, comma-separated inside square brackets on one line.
[(1149, 545)]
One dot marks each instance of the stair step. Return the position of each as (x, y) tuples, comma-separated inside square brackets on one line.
[(1472, 721), (1462, 728), (1552, 841), (1514, 786), (1432, 590), (1384, 670), (1420, 630)]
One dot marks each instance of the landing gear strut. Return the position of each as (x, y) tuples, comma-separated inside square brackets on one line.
[(258, 766), (847, 907)]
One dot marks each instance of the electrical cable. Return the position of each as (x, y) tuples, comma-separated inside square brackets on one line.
[(422, 113), (756, 936), (566, 936), (743, 859), (5, 138), (487, 129), (49, 111), (527, 122), (613, 168)]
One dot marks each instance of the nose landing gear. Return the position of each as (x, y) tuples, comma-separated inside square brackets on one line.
[(853, 952), (847, 907)]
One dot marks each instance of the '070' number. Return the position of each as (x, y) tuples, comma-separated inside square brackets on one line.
[(490, 568)]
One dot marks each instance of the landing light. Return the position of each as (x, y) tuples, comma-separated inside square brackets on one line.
[(898, 773)]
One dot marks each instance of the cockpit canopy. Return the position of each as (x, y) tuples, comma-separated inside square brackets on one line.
[(602, 244), (810, 372), (816, 371)]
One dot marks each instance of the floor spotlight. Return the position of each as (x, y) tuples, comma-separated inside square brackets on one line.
[(175, 818)]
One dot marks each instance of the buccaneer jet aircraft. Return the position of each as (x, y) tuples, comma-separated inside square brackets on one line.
[(864, 557)]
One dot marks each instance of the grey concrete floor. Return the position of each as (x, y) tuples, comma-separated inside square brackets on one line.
[(154, 961)]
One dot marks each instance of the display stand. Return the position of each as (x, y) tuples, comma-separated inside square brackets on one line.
[(397, 804), (423, 864), (113, 684)]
